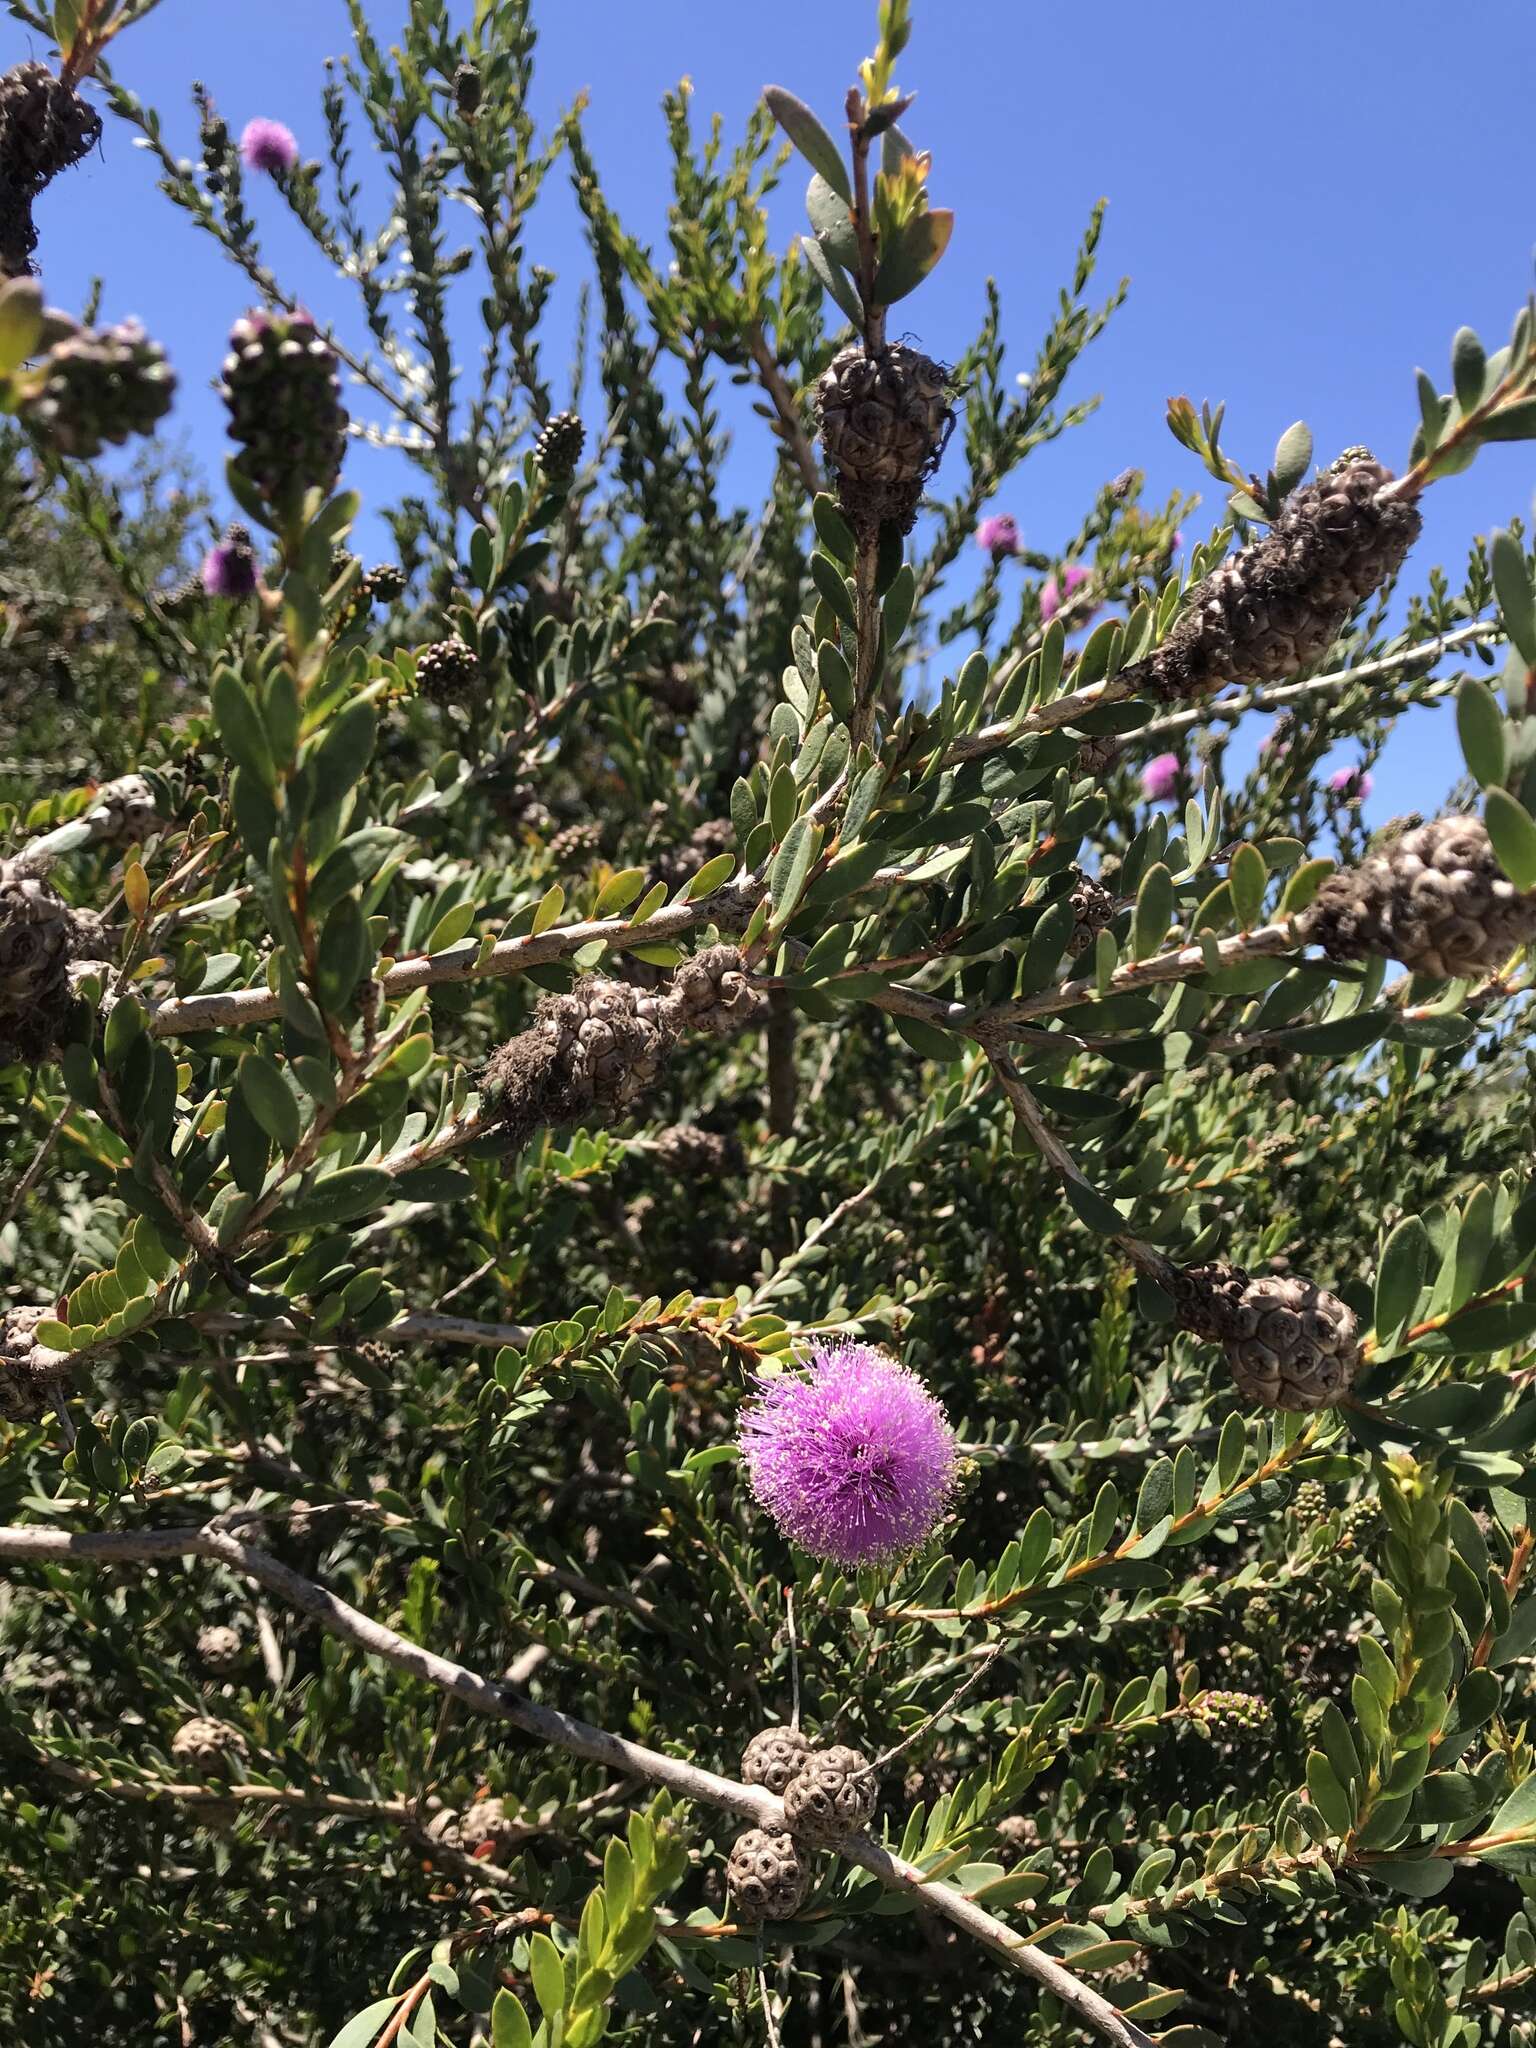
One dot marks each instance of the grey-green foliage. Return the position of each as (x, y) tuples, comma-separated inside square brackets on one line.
[(1246, 1743)]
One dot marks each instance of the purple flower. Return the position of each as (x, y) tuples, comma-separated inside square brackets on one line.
[(1354, 785), (1055, 594), (1177, 541), (229, 568), (268, 146), (999, 535), (855, 1459), (1160, 777)]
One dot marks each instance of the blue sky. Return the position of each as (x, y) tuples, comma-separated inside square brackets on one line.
[(1308, 200)]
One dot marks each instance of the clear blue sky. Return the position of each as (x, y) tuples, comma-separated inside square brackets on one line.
[(1308, 199)]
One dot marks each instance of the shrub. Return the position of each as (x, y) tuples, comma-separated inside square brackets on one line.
[(548, 1072)]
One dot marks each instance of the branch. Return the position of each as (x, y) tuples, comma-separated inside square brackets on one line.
[(1228, 710), (796, 440), (1056, 1155), (564, 1731), (180, 1015), (1179, 964)]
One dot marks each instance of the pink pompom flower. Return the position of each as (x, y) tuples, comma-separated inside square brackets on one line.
[(1057, 591), (1353, 785), (1160, 777), (998, 535), (854, 1458), (229, 567), (268, 146)]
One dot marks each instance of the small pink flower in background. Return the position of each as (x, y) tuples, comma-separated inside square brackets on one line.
[(1055, 594), (1354, 785), (998, 535), (268, 146), (1178, 539), (1160, 777), (1275, 746), (229, 568), (854, 1459)]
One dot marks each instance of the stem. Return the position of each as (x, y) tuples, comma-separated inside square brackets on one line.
[(797, 442), (1050, 1147), (1228, 710)]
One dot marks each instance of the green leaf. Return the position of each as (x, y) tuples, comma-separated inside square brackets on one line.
[(1293, 457), (1248, 877), (1480, 728), (1512, 582), (1469, 369), (713, 875), (1154, 910), (832, 588), (551, 903), (339, 761), (832, 529), (832, 219), (270, 1100), (345, 953), (126, 1025), (833, 278), (450, 927), (509, 2023), (363, 2027), (914, 252), (241, 729), (1421, 1877), (1328, 1795), (1513, 833), (340, 1197), (791, 865), (1094, 1209), (548, 1977), (927, 1039), (1404, 1259), (1516, 1819), (1514, 422), (21, 322), (620, 891), (810, 138), (743, 809), (835, 678)]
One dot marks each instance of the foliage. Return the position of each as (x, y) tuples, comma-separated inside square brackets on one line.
[(1197, 1719)]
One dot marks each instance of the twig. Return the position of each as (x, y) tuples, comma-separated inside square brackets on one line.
[(796, 440), (1227, 710), (1051, 1149), (794, 1657)]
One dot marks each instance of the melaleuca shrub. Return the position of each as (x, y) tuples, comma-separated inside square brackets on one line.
[(700, 1343)]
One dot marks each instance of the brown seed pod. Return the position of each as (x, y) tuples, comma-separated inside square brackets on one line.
[(831, 1797), (766, 1875), (1278, 605), (1290, 1344), (884, 421), (208, 1745), (772, 1758), (1436, 898)]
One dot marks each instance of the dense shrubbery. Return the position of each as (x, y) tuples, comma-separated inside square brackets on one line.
[(477, 1021)]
